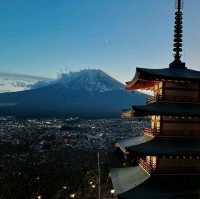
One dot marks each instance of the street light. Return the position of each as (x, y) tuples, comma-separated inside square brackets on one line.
[(72, 195), (90, 182), (112, 191), (93, 186), (39, 197), (64, 187)]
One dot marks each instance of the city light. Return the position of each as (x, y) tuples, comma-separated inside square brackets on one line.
[(90, 182), (64, 187), (93, 186), (39, 197), (112, 191), (38, 178), (72, 195)]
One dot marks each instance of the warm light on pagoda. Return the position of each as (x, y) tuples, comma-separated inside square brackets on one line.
[(154, 162)]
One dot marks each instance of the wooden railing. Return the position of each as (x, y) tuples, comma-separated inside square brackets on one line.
[(156, 169), (151, 99), (150, 131), (148, 167), (173, 132), (176, 99)]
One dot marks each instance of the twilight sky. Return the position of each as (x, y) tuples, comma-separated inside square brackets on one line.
[(45, 37)]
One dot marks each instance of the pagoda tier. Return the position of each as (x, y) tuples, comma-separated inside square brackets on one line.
[(160, 146), (167, 109), (164, 155), (174, 107), (147, 78), (134, 182), (166, 187)]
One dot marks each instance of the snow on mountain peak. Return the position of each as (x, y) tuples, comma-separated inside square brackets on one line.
[(91, 80)]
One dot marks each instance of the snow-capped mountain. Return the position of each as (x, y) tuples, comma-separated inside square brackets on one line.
[(88, 93), (10, 82), (90, 80)]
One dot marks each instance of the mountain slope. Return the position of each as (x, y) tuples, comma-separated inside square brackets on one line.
[(89, 93)]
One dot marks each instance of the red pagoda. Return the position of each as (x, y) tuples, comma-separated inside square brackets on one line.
[(168, 154)]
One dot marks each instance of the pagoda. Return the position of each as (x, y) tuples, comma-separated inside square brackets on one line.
[(168, 154)]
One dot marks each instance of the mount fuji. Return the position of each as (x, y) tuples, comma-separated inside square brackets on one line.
[(88, 93)]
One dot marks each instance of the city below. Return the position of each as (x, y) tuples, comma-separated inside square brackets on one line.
[(57, 157)]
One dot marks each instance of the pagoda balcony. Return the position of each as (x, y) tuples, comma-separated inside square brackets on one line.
[(174, 99), (155, 168), (150, 168), (172, 132), (150, 131)]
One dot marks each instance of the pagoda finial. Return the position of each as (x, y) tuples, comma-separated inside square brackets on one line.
[(178, 35)]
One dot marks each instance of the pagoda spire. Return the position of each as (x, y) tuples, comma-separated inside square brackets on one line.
[(178, 35)]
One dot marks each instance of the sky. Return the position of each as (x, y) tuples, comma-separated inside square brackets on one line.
[(46, 37)]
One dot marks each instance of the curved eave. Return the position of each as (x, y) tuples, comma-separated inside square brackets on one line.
[(139, 82), (165, 186), (125, 179), (167, 109), (123, 144), (167, 146), (145, 78)]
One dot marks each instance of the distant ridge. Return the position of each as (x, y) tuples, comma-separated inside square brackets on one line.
[(23, 76), (88, 93), (11, 82)]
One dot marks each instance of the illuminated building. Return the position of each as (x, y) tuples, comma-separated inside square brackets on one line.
[(168, 154)]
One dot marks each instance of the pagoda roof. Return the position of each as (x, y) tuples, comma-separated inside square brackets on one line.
[(123, 144), (165, 186), (145, 78), (167, 146), (125, 179), (171, 109)]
